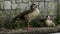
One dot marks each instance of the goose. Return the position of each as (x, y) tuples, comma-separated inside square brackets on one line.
[(28, 15), (49, 22)]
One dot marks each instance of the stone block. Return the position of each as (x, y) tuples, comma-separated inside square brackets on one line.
[(59, 1), (29, 3), (37, 3), (25, 0), (41, 6), (7, 12), (48, 0), (17, 12), (14, 6), (1, 5), (13, 12), (1, 12), (1, 0), (13, 1), (36, 0), (7, 4), (23, 6), (18, 1)]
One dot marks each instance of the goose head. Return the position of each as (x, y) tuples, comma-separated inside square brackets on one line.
[(33, 6), (48, 17)]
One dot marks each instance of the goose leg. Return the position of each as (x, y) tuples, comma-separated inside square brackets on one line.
[(28, 26), (28, 21)]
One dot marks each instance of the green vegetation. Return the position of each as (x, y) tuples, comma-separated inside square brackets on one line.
[(58, 15), (9, 25)]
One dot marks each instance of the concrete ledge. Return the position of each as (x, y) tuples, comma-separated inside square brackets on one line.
[(33, 30)]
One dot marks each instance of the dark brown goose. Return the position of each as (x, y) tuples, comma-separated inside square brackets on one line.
[(28, 15)]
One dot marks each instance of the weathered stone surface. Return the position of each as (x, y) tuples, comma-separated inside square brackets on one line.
[(41, 6), (0, 12), (47, 0), (18, 12), (1, 0), (25, 0), (1, 5), (13, 1), (52, 8), (37, 3), (12, 12), (14, 6), (59, 1), (18, 1), (23, 6), (7, 13), (7, 5), (37, 0), (29, 3)]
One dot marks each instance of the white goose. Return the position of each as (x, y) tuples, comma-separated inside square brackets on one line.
[(49, 22)]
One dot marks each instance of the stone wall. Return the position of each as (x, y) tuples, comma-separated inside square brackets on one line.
[(11, 8)]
